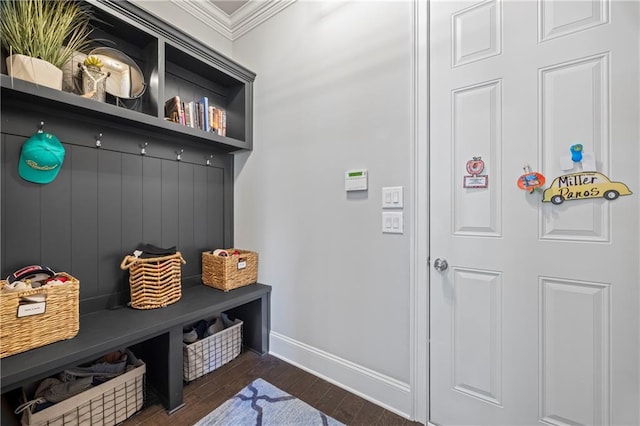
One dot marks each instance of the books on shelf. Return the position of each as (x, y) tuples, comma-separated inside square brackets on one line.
[(223, 123), (204, 114), (218, 120), (173, 110), (199, 114), (189, 114)]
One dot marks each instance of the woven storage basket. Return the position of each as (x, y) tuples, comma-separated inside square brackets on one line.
[(59, 319), (212, 352), (109, 403), (155, 282), (229, 272)]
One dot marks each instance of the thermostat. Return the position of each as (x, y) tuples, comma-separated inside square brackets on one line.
[(355, 180)]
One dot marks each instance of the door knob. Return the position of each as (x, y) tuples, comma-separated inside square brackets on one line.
[(440, 264)]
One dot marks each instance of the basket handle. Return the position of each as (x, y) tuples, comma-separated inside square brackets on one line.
[(128, 261), (184, 262)]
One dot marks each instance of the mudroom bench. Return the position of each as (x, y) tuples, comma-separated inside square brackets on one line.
[(156, 334)]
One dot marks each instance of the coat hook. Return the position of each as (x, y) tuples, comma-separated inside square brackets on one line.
[(143, 148), (40, 127), (179, 154), (98, 141), (209, 160)]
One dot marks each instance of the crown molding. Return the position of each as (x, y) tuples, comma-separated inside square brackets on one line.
[(240, 22), (253, 13), (208, 14)]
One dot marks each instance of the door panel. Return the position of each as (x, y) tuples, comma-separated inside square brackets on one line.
[(574, 359), (477, 334), (536, 317), (572, 94), (476, 115)]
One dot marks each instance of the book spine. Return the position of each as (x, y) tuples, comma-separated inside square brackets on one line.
[(216, 120), (172, 109), (224, 122), (201, 124), (189, 114), (205, 114)]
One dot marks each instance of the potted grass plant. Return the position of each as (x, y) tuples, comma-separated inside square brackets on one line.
[(40, 36)]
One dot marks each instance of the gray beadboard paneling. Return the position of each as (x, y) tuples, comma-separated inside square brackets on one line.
[(56, 219), (106, 201), (3, 248), (169, 199), (109, 174), (152, 201), (186, 206), (215, 208), (83, 163), (131, 233), (226, 189), (131, 202), (22, 212), (201, 221)]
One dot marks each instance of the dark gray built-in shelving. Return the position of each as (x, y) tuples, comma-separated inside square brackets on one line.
[(149, 180), (111, 196), (173, 63)]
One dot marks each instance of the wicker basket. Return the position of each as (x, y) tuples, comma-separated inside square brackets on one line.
[(155, 282), (28, 326), (229, 272), (212, 352), (109, 403)]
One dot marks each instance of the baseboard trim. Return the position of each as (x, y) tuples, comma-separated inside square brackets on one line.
[(381, 390)]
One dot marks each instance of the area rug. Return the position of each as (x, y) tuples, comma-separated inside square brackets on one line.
[(262, 404)]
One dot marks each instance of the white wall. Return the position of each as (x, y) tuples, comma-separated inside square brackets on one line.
[(333, 92)]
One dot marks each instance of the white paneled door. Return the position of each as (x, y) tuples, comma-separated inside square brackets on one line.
[(534, 317)]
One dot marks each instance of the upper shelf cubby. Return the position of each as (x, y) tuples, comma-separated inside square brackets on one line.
[(192, 79), (172, 63), (141, 45)]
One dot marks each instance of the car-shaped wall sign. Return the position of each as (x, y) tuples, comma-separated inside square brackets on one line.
[(583, 185)]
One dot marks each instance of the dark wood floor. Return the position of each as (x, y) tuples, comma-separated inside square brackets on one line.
[(206, 393)]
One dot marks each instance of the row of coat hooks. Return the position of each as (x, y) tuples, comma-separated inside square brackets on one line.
[(143, 147)]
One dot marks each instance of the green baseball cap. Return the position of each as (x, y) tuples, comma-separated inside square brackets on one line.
[(41, 158)]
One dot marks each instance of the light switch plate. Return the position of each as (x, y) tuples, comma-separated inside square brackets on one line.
[(392, 197), (392, 223)]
